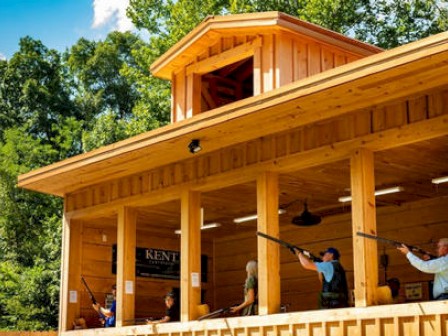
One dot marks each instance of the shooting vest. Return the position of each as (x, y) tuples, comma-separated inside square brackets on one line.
[(335, 292)]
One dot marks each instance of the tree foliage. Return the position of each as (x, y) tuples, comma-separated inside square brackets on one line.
[(53, 106)]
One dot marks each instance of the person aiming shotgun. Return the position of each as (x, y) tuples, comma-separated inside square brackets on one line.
[(106, 315), (438, 267)]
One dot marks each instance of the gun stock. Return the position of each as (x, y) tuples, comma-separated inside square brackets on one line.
[(290, 246), (396, 243), (92, 297)]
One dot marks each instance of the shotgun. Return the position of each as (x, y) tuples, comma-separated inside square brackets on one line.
[(397, 244), (101, 316), (216, 313), (92, 297), (291, 247)]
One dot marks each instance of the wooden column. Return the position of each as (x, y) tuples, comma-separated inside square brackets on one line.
[(365, 254), (126, 244), (190, 260), (268, 251), (193, 95), (70, 294)]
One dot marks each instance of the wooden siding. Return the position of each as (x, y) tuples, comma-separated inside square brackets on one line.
[(266, 150), (98, 237), (272, 69), (424, 319)]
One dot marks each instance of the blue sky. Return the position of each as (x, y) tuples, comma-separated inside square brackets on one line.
[(58, 23)]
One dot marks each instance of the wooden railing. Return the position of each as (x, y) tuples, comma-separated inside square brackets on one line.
[(412, 319)]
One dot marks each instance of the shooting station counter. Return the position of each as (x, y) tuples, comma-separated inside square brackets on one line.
[(300, 128)]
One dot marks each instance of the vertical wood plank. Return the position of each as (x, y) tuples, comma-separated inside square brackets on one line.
[(365, 257), (193, 95), (190, 264), (180, 96), (258, 78), (126, 244), (284, 61), (268, 63), (314, 59), (268, 251)]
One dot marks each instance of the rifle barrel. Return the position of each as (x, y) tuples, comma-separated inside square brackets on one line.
[(290, 246), (396, 243), (92, 297)]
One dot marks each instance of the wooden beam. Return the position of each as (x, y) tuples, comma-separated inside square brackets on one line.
[(268, 251), (190, 263), (392, 138), (225, 58), (126, 245), (378, 141), (365, 254), (71, 273)]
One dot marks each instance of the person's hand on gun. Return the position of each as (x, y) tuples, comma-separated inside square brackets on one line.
[(403, 249), (97, 307)]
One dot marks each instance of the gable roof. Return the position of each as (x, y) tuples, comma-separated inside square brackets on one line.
[(215, 27)]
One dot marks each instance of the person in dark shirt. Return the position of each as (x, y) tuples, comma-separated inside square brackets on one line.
[(334, 292), (172, 313)]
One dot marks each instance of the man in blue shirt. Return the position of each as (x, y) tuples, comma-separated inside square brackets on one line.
[(438, 266), (334, 292), (108, 314)]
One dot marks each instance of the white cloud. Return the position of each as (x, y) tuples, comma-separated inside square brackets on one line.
[(2, 57), (113, 13)]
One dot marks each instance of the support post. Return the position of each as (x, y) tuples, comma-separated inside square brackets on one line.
[(190, 263), (126, 245), (365, 254), (268, 251), (70, 304)]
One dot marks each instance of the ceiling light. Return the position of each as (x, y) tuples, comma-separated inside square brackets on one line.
[(377, 193), (194, 146), (204, 227), (253, 217), (440, 180)]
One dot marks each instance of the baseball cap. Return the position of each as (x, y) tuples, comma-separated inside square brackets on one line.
[(333, 251), (170, 295)]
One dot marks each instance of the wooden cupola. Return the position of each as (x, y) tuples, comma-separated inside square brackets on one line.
[(229, 58)]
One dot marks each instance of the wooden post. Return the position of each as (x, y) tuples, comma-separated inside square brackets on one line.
[(193, 98), (268, 251), (126, 244), (190, 259), (365, 254), (70, 273)]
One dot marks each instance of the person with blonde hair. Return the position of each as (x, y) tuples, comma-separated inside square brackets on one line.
[(250, 304), (438, 267)]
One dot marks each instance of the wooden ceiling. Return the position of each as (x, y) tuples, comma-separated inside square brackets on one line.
[(411, 167)]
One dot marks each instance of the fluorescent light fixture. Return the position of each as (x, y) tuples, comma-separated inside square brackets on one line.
[(377, 193), (204, 227), (253, 217), (440, 180)]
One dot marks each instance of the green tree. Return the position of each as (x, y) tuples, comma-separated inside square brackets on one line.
[(110, 85)]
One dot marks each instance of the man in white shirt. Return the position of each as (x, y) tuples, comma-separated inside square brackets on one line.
[(438, 266)]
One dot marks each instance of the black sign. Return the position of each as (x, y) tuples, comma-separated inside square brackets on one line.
[(156, 263)]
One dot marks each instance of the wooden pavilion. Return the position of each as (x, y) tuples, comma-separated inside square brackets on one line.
[(268, 112)]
